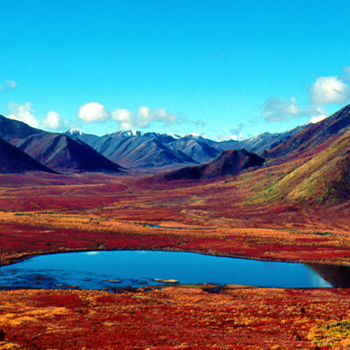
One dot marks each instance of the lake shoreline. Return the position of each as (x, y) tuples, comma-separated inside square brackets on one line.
[(135, 268), (14, 258)]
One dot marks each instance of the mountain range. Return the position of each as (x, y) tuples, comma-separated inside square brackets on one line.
[(56, 152), (187, 156), (156, 152)]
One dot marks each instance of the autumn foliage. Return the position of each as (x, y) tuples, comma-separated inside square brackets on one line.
[(176, 318), (233, 216)]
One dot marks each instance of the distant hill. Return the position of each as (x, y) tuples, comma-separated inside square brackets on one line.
[(313, 138), (63, 154), (55, 151), (265, 141), (13, 160), (151, 152), (197, 148), (137, 150), (226, 163)]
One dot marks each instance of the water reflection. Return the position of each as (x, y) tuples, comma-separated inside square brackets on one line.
[(337, 275), (111, 269)]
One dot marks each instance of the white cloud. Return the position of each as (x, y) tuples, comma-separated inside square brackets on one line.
[(93, 112), (52, 120), (277, 109), (324, 91), (127, 119), (157, 114), (143, 117), (199, 123), (122, 115), (346, 75), (236, 133), (316, 114), (143, 112), (185, 119), (329, 90), (11, 84), (23, 113)]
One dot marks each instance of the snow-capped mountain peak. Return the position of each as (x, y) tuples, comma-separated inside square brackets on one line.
[(175, 136), (74, 132)]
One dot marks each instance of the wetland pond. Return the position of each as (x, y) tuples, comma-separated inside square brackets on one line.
[(114, 269)]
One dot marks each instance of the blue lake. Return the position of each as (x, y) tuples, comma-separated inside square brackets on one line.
[(114, 269)]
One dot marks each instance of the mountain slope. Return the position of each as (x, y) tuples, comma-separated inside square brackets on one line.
[(197, 148), (14, 130), (136, 150), (226, 163), (62, 153), (56, 151), (13, 160), (324, 179), (315, 137), (314, 167), (258, 144)]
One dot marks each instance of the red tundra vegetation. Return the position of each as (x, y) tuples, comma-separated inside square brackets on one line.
[(175, 318), (233, 216)]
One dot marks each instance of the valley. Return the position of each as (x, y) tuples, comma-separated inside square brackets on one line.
[(292, 205)]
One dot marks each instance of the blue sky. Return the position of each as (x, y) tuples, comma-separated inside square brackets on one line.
[(222, 69)]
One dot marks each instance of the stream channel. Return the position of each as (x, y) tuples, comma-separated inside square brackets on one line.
[(114, 269)]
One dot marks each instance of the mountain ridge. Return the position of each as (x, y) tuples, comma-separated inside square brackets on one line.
[(58, 152), (62, 153), (150, 152), (13, 160), (230, 162), (313, 137), (158, 152)]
